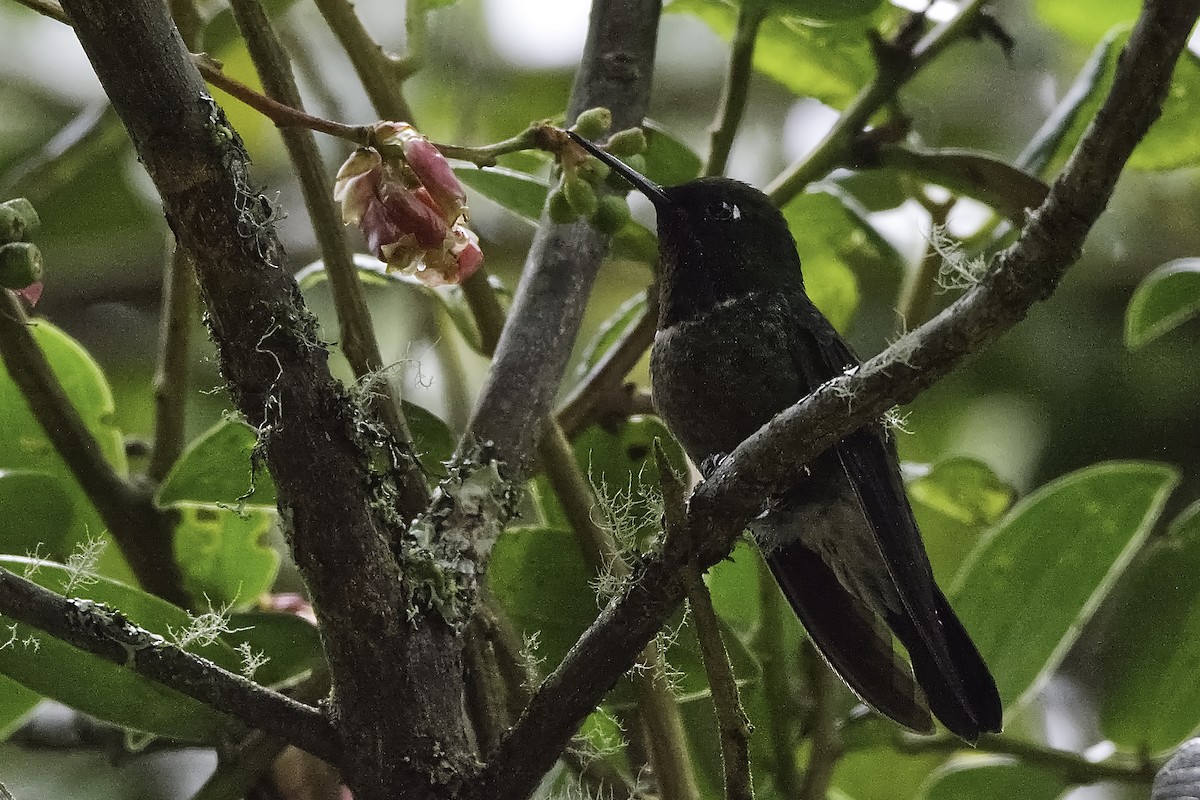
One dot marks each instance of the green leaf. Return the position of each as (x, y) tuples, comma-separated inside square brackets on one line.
[(101, 688), (292, 644), (860, 773), (1173, 141), (1151, 699), (1032, 583), (1165, 299), (44, 509), (219, 468), (519, 192), (954, 502), (223, 553), (828, 10), (15, 704), (963, 489), (828, 61), (668, 160), (540, 579), (1086, 21), (27, 448), (986, 777)]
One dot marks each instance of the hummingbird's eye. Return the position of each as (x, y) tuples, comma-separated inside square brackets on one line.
[(724, 210)]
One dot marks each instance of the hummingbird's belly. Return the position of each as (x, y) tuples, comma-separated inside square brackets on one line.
[(720, 378)]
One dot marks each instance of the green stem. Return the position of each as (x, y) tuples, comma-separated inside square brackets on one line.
[(379, 72), (358, 341), (737, 83), (171, 376), (895, 69), (1122, 767), (780, 721), (826, 742)]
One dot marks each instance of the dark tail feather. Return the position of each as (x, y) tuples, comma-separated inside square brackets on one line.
[(966, 702), (850, 637)]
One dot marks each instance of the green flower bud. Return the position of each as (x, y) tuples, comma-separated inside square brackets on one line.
[(593, 170), (637, 163), (593, 122), (20, 265), (559, 207), (628, 142), (19, 221), (611, 214), (580, 195)]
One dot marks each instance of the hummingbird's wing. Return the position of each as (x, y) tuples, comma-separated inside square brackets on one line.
[(956, 682)]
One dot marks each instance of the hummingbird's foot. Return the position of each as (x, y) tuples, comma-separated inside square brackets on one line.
[(709, 465)]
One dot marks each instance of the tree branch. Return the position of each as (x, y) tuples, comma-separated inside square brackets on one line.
[(1028, 271), (396, 667), (178, 311), (563, 261), (751, 13), (108, 634), (143, 533)]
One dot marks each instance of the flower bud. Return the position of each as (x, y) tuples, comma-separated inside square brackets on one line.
[(357, 184), (559, 208), (435, 174), (593, 122), (20, 265), (18, 220), (580, 195), (593, 170), (628, 142), (612, 213), (413, 215)]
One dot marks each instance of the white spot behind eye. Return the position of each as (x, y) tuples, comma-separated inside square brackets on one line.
[(734, 211)]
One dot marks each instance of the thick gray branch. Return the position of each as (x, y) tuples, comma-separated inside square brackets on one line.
[(1025, 273), (562, 264)]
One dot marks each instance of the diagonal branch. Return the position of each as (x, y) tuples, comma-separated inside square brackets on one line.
[(108, 634), (1028, 271)]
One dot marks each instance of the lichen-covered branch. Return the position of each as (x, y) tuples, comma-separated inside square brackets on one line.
[(1028, 271), (107, 633)]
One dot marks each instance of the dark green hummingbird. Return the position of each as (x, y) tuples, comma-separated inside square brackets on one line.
[(738, 341)]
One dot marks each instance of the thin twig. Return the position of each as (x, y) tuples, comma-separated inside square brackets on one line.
[(143, 533), (377, 70), (826, 742), (895, 69), (780, 720), (1028, 271), (108, 634), (358, 340), (737, 84), (1075, 768), (178, 315)]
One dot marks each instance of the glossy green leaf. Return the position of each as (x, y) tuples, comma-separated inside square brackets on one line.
[(668, 160), (15, 703), (36, 514), (954, 502), (292, 645), (223, 553), (27, 448), (101, 688), (828, 10), (540, 578), (989, 777), (219, 467), (1165, 299), (881, 772), (1086, 21), (1174, 139), (831, 230), (519, 192), (828, 61), (1151, 698), (1035, 580), (963, 489)]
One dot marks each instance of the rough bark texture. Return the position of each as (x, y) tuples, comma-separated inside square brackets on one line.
[(397, 700)]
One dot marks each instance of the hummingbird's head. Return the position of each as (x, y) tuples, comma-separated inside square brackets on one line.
[(718, 239)]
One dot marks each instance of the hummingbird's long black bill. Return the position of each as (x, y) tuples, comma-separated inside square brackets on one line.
[(653, 191)]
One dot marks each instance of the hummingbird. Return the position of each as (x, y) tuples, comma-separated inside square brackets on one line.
[(738, 341)]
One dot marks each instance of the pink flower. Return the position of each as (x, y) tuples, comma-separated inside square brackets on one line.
[(410, 206), (33, 292)]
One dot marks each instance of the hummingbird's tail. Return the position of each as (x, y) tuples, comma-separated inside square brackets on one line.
[(954, 684)]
